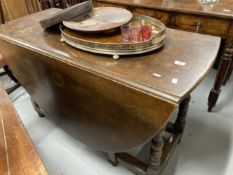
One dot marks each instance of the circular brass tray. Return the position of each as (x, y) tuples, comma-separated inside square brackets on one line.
[(111, 43)]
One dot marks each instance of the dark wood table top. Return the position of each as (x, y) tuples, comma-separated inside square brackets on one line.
[(223, 8), (196, 51)]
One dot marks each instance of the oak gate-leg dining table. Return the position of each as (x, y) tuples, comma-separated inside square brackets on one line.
[(110, 105)]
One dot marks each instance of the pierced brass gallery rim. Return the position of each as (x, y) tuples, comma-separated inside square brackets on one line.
[(112, 44)]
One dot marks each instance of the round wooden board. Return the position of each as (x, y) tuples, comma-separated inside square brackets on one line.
[(101, 19)]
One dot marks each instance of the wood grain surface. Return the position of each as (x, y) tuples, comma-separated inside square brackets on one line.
[(193, 16), (111, 105), (17, 153), (10, 6), (223, 8), (178, 16), (197, 51)]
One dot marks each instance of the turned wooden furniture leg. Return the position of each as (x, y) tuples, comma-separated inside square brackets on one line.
[(112, 159), (32, 6), (156, 154), (222, 72), (10, 74), (38, 109), (181, 117), (3, 73), (43, 4), (229, 72), (64, 4), (12, 89), (52, 3)]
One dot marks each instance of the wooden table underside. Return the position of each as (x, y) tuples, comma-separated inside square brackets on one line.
[(194, 17), (111, 105)]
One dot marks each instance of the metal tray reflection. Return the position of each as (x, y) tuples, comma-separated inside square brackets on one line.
[(111, 43)]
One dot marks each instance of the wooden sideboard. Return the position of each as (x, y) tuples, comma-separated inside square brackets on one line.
[(191, 16)]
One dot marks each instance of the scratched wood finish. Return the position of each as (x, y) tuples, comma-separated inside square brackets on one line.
[(17, 153), (107, 103), (93, 107), (194, 17), (130, 70)]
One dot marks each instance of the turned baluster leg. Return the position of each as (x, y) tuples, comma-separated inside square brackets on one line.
[(222, 72), (181, 117), (29, 6), (64, 4), (229, 72), (12, 77), (38, 109), (3, 73), (156, 154), (10, 74), (12, 89), (112, 159), (43, 4), (53, 3)]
